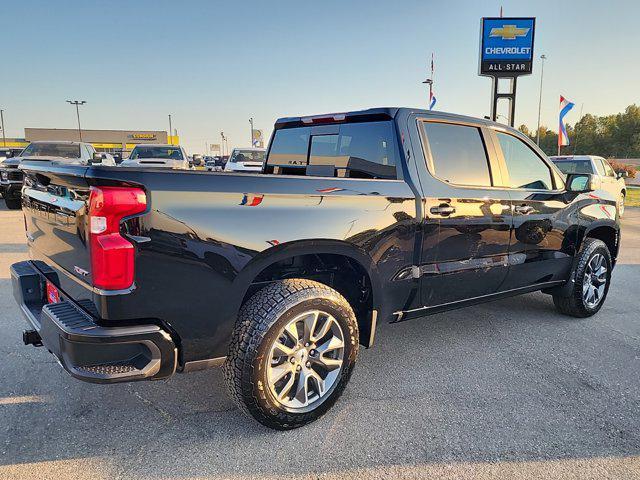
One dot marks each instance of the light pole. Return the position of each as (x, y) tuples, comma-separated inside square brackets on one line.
[(4, 137), (542, 58), (77, 103), (222, 142), (251, 123), (170, 134)]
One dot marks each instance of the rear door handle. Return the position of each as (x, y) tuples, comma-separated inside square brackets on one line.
[(524, 209), (445, 210)]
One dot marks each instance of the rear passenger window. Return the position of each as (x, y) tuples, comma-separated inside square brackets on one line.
[(526, 169), (354, 150), (324, 149), (457, 153)]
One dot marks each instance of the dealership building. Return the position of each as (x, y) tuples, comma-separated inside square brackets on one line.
[(110, 141)]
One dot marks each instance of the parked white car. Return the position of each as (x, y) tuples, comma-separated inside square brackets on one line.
[(162, 156), (246, 160), (604, 177)]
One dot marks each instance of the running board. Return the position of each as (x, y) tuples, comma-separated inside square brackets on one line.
[(403, 315)]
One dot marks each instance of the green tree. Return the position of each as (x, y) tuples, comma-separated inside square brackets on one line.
[(611, 136)]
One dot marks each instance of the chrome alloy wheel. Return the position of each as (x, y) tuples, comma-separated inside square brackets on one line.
[(595, 281), (305, 360)]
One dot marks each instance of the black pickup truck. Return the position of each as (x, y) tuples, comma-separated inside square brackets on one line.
[(370, 216)]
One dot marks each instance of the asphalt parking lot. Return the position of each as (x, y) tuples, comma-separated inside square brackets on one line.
[(508, 389)]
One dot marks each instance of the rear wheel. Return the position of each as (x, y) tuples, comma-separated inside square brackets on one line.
[(292, 352), (592, 276), (12, 203)]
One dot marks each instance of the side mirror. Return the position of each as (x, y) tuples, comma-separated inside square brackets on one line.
[(197, 160), (623, 174), (98, 157), (579, 182)]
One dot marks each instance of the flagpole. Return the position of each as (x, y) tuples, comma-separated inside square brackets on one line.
[(431, 84), (429, 81)]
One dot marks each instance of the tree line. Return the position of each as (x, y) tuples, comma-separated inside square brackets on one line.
[(612, 136)]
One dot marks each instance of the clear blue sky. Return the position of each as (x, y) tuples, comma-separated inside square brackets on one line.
[(213, 65)]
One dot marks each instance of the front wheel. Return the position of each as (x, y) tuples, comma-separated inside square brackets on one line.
[(292, 353), (591, 279), (12, 203)]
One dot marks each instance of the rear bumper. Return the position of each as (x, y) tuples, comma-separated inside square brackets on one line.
[(86, 350)]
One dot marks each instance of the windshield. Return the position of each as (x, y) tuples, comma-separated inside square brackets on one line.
[(63, 150), (574, 166), (247, 156), (169, 153)]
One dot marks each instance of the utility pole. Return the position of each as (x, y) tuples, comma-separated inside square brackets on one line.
[(77, 103), (4, 136), (543, 58), (251, 123), (170, 132)]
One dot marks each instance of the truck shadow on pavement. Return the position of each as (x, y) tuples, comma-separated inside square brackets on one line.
[(509, 380)]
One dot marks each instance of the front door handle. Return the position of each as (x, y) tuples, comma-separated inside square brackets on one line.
[(524, 209), (444, 209)]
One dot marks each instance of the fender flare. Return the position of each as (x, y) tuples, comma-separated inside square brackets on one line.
[(308, 247)]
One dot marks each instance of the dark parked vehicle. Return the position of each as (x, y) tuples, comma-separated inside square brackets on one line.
[(378, 215), (65, 152), (6, 153), (215, 164)]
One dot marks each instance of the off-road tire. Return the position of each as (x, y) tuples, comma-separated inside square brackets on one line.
[(259, 321), (574, 304), (13, 203)]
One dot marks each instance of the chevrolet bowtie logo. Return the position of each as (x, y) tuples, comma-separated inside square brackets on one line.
[(508, 32)]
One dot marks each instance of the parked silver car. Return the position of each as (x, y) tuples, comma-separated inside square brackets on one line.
[(604, 177)]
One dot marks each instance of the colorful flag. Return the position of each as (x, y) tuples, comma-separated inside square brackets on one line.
[(565, 106), (432, 100), (251, 199)]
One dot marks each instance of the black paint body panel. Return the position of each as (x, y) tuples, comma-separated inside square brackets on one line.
[(206, 236)]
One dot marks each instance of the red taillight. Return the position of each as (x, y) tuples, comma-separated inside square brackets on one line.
[(112, 262)]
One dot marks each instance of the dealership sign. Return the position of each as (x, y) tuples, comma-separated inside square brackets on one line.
[(506, 46), (143, 136)]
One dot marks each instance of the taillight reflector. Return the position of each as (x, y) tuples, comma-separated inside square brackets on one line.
[(112, 255)]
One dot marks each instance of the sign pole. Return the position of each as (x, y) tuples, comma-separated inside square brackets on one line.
[(506, 51)]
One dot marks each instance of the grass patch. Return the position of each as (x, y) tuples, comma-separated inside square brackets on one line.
[(633, 197)]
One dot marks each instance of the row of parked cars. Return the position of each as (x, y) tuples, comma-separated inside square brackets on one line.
[(147, 155)]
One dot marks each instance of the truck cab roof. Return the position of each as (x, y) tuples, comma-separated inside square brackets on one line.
[(376, 114)]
